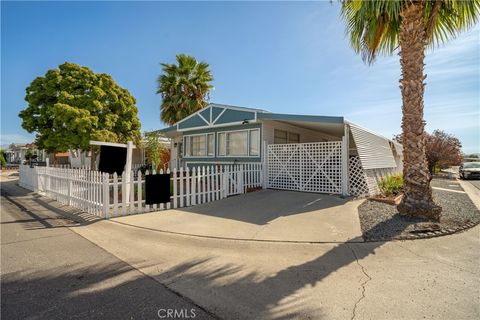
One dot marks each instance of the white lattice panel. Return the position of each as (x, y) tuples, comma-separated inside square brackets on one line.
[(312, 167), (364, 182), (357, 179)]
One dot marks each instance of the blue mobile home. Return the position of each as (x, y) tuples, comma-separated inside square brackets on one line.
[(221, 134), (299, 150)]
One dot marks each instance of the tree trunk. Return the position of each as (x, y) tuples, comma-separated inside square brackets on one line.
[(417, 200)]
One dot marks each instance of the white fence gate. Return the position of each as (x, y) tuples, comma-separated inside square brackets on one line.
[(242, 177), (311, 167)]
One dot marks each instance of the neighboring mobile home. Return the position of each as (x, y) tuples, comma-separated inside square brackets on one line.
[(298, 152)]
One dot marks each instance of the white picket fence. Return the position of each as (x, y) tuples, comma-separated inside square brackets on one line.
[(110, 196)]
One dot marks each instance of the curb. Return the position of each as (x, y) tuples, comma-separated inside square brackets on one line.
[(430, 234)]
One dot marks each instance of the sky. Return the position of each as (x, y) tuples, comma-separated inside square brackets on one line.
[(284, 57)]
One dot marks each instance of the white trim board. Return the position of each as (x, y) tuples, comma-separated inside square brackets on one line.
[(110, 144)]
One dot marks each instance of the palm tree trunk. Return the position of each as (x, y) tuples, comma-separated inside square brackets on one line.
[(417, 200)]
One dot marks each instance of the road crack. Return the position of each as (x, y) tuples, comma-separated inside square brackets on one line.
[(363, 284)]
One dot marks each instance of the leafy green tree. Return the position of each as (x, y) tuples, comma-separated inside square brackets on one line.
[(411, 25), (184, 88), (72, 105)]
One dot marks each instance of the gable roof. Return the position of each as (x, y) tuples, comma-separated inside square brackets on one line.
[(214, 115)]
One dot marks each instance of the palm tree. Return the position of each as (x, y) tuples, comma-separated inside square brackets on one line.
[(412, 25), (184, 88)]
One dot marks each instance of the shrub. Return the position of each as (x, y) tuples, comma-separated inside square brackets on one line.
[(391, 185), (3, 162)]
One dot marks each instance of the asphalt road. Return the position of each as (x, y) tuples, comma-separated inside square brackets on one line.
[(475, 183), (51, 272)]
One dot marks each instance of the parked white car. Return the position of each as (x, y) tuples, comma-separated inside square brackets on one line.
[(470, 170)]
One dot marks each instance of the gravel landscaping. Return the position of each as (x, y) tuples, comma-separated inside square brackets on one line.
[(380, 221)]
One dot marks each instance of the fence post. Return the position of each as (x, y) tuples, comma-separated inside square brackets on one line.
[(241, 181), (225, 182), (209, 186), (115, 194), (180, 179), (106, 195), (131, 198), (124, 192), (174, 179), (264, 170), (69, 186), (128, 171), (139, 191), (168, 204), (37, 189), (344, 175), (187, 186), (194, 186), (204, 185)]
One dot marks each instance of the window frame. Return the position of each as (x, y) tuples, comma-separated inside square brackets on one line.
[(287, 138), (275, 131), (189, 136), (248, 143)]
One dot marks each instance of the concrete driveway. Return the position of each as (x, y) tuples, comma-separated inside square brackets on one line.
[(264, 215)]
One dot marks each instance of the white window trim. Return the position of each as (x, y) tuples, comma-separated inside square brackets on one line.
[(248, 143), (206, 145)]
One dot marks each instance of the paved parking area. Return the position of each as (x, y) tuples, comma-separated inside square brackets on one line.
[(263, 215)]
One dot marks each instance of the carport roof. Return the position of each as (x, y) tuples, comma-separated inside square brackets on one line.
[(298, 118), (329, 125)]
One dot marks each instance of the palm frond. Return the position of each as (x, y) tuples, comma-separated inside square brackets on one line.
[(184, 88), (373, 26)]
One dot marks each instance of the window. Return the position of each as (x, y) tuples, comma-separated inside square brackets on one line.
[(282, 137), (254, 142), (293, 138), (187, 147), (210, 144), (200, 145), (237, 143), (221, 144), (242, 143), (197, 145)]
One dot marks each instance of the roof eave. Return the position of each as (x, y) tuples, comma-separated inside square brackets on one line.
[(298, 117)]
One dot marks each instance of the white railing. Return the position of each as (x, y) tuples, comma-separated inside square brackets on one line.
[(110, 196)]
